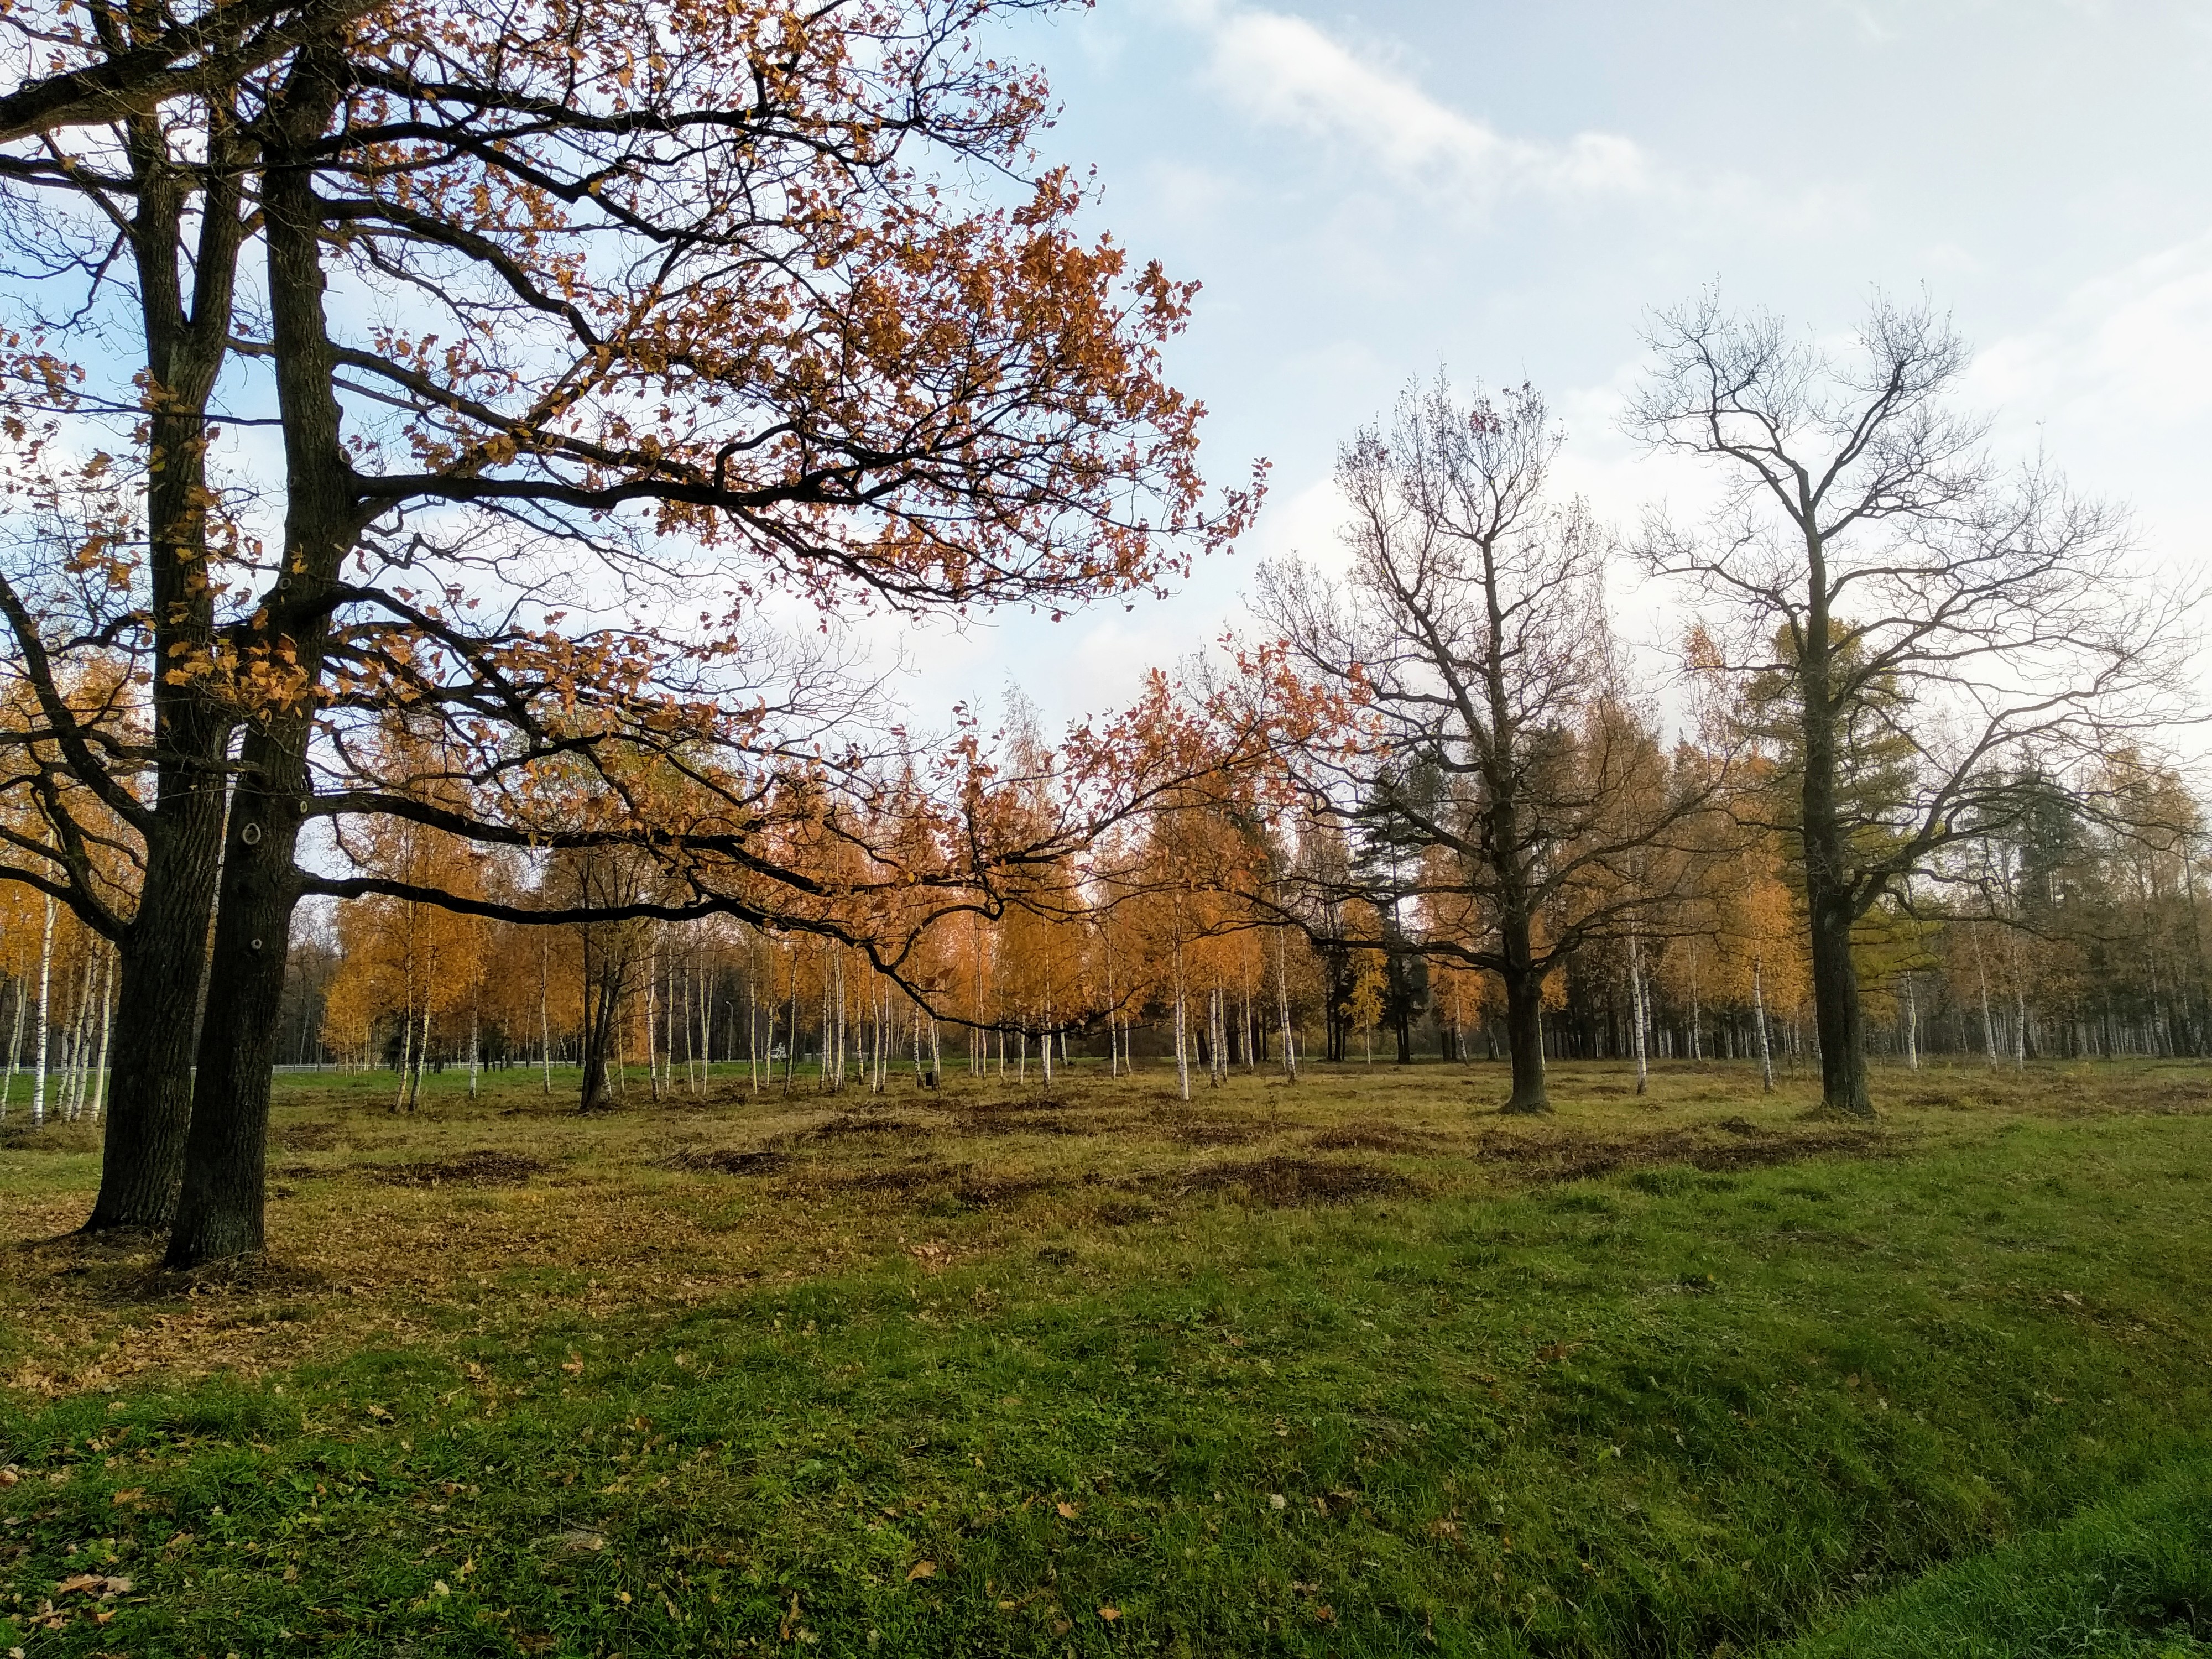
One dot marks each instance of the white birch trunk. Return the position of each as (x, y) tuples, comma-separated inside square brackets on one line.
[(1181, 1028), (1989, 1019), (39, 1021), (1759, 1013), (1912, 1025), (15, 1053), (106, 1032), (1636, 1011), (544, 1017)]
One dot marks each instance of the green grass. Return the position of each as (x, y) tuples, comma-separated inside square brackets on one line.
[(968, 1384), (2131, 1575)]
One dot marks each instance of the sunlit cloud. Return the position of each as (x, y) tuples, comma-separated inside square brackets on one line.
[(1284, 72)]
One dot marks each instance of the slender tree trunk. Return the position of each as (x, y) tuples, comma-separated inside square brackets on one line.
[(1283, 1008), (1697, 1013), (544, 1015), (1181, 1030), (1912, 1025), (791, 1037), (72, 1044), (38, 1023), (14, 1054), (1759, 1014), (100, 1085), (2020, 1007), (1636, 1011), (406, 1068), (423, 1044), (1988, 1018), (652, 1014)]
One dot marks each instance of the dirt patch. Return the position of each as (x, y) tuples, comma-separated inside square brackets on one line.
[(1577, 1157), (1000, 1105), (725, 1160), (484, 1168), (1026, 1115), (308, 1137), (22, 1138), (1295, 1183), (1376, 1138), (924, 1180), (1216, 1132), (2169, 1098), (1045, 1123), (851, 1125)]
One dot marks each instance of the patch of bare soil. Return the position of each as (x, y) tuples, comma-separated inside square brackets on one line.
[(484, 1168), (1295, 1183), (1570, 1156), (316, 1137), (1026, 1115), (49, 1137), (924, 1179), (851, 1124), (2167, 1097), (725, 1160), (1121, 1213), (1216, 1132), (1377, 1138)]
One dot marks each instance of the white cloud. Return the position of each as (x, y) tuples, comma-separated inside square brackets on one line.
[(1283, 71), (2133, 346)]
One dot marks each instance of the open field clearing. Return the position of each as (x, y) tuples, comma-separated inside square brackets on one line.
[(1353, 1367)]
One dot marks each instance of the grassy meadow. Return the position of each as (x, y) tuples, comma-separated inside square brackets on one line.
[(1353, 1367)]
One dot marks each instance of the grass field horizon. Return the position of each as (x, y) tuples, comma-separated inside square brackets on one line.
[(1356, 1366)]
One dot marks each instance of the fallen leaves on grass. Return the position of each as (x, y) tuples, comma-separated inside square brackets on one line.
[(92, 1583), (921, 1570)]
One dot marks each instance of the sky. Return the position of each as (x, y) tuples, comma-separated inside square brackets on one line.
[(1502, 192)]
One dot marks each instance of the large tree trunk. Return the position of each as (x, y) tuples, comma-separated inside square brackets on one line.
[(161, 956), (1829, 903), (1835, 1008), (1524, 1040), (220, 1209), (159, 959)]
